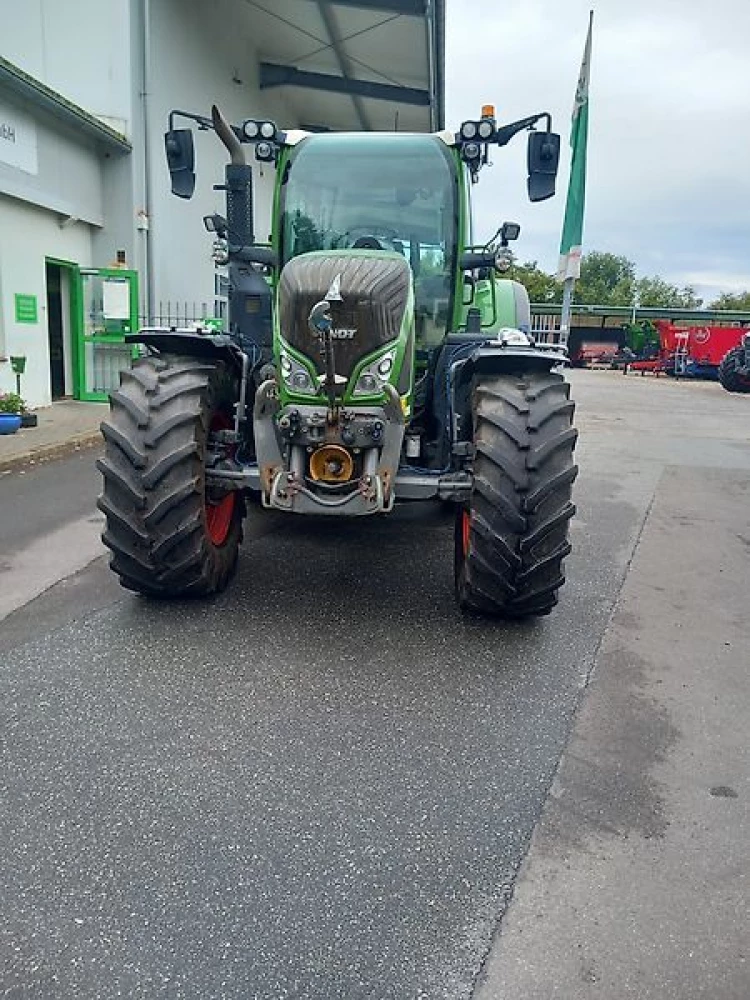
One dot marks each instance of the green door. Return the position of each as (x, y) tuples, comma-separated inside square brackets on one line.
[(106, 309)]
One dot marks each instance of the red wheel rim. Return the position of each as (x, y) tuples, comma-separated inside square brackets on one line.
[(219, 518), (219, 515), (465, 530)]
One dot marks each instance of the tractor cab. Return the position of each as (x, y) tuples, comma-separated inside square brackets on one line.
[(397, 193)]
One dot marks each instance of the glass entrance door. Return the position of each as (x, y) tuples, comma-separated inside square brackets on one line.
[(107, 309)]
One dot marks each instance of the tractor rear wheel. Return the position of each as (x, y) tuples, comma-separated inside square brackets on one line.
[(511, 538), (729, 377), (169, 535)]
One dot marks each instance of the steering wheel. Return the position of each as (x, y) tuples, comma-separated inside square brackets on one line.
[(371, 238), (367, 243)]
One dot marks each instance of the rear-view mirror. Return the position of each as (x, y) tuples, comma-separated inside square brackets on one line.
[(543, 159), (178, 144)]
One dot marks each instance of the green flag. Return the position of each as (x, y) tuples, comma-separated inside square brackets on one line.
[(572, 234)]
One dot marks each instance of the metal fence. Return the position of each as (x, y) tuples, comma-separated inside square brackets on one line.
[(181, 314), (546, 329)]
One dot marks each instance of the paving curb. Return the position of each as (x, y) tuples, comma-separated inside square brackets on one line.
[(49, 452)]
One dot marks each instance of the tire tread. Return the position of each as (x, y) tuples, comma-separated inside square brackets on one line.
[(153, 479), (521, 505)]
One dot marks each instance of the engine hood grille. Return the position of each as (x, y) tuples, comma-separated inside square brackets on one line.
[(374, 289)]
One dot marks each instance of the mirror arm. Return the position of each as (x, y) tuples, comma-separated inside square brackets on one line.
[(254, 255), (506, 132), (201, 121)]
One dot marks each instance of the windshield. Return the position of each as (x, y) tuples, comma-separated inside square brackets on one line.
[(396, 192)]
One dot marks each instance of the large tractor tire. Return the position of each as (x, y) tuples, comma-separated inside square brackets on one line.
[(511, 538), (169, 535), (730, 378)]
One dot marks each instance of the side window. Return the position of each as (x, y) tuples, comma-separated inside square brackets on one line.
[(432, 295)]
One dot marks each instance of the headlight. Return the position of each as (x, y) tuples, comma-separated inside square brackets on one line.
[(375, 375), (468, 130), (296, 377), (486, 129)]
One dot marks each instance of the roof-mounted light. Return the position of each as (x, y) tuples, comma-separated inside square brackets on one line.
[(486, 129)]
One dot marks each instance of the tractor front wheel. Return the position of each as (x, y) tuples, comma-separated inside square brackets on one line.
[(730, 378), (511, 538), (169, 534)]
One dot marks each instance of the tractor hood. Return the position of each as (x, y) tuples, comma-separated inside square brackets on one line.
[(370, 296)]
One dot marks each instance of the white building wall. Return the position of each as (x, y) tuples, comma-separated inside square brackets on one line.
[(65, 175), (91, 52), (80, 48), (203, 53), (28, 235)]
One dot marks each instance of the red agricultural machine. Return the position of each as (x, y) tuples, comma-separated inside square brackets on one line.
[(711, 352)]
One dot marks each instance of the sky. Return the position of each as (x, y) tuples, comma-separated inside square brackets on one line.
[(668, 181)]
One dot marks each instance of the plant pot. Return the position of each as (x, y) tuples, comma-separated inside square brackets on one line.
[(9, 423), (29, 420)]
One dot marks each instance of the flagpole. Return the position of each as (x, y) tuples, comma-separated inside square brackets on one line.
[(565, 312), (571, 240)]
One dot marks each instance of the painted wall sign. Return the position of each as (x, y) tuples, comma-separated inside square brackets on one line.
[(18, 146), (26, 309)]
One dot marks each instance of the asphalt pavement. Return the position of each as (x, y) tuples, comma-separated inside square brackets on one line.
[(323, 783)]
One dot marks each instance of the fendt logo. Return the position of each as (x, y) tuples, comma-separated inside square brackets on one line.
[(334, 295)]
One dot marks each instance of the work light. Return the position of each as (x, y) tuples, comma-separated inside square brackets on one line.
[(471, 151), (265, 152)]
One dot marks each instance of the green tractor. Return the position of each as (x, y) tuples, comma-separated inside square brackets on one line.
[(373, 357)]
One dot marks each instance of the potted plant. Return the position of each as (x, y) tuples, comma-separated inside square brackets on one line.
[(11, 407)]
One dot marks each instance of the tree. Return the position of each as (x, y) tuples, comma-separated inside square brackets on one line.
[(609, 279), (659, 293), (732, 301), (606, 279), (542, 287)]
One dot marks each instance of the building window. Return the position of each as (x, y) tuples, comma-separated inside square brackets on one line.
[(221, 299)]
